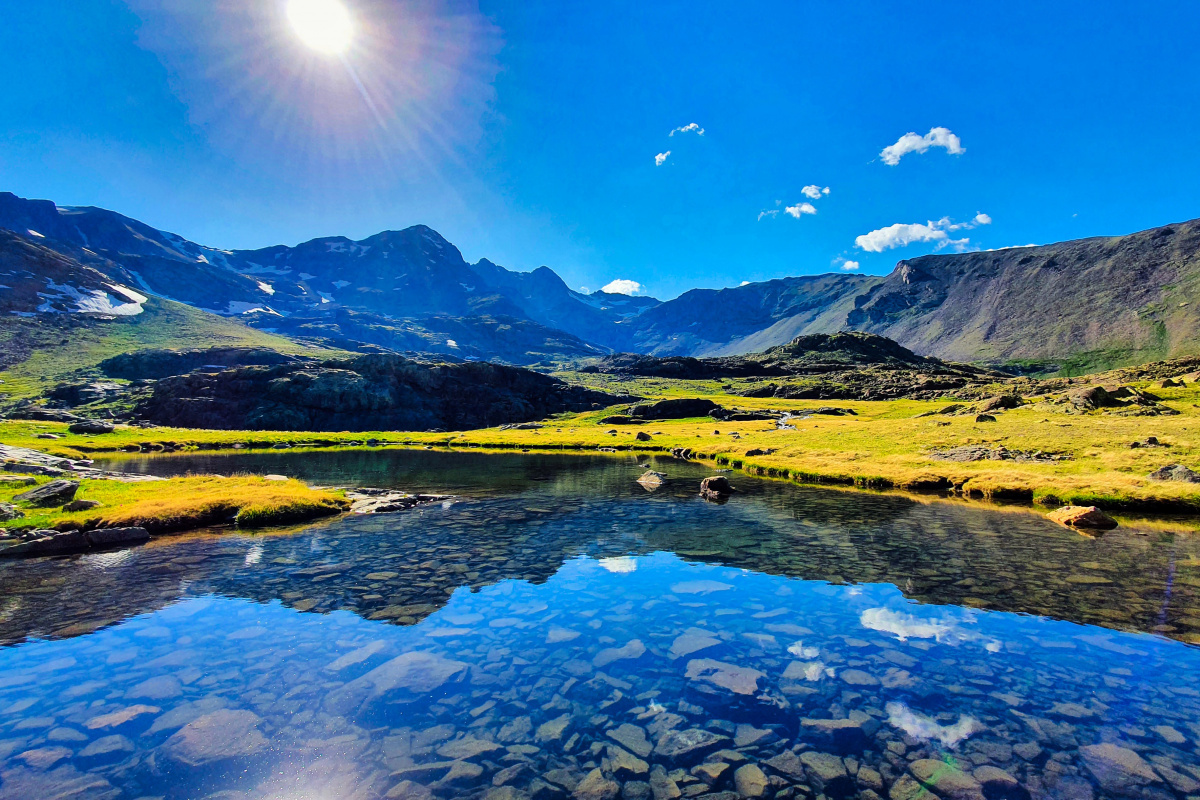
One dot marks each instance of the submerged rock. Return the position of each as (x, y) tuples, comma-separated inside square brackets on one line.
[(1118, 769), (228, 733)]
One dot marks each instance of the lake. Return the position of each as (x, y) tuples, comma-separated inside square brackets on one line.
[(556, 630)]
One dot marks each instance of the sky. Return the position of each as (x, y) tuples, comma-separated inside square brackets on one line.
[(649, 147)]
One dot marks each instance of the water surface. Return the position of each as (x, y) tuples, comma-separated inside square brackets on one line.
[(558, 630)]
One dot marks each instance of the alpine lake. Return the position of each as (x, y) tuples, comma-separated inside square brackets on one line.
[(555, 630)]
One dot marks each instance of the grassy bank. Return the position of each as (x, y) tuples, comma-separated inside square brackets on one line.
[(884, 444), (183, 504)]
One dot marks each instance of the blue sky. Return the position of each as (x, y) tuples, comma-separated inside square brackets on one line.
[(526, 132)]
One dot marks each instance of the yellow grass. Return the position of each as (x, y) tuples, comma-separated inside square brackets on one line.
[(186, 503)]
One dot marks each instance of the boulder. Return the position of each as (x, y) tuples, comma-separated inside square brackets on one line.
[(945, 779), (999, 403), (223, 734), (54, 493), (750, 781), (1090, 398), (411, 675), (1175, 472), (715, 487), (984, 418), (688, 745), (642, 436), (827, 773), (730, 677), (81, 505), (91, 426), (674, 408), (55, 543), (651, 480), (9, 511), (109, 537), (1083, 517), (596, 787)]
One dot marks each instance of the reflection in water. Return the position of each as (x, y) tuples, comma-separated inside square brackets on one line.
[(564, 632)]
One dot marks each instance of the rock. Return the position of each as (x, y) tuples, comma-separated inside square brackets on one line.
[(710, 771), (412, 674), (662, 786), (906, 788), (746, 735), (227, 733), (997, 783), (642, 436), (1175, 472), (715, 487), (739, 680), (633, 649), (54, 493), (115, 719), (675, 408), (636, 790), (17, 480), (787, 764), (692, 642), (1083, 517), (108, 537), (843, 735), (553, 730), (688, 745), (632, 738), (91, 426), (984, 418), (856, 677), (1118, 769), (651, 479), (945, 779), (8, 511), (49, 543), (1090, 398), (827, 773), (106, 745), (596, 787), (408, 790), (750, 781), (467, 747), (81, 505), (625, 764), (998, 403)]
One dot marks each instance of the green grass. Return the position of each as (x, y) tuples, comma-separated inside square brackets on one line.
[(183, 503), (49, 350)]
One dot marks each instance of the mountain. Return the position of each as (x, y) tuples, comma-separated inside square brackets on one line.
[(411, 274), (1075, 306)]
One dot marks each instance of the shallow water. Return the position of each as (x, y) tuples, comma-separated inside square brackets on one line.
[(558, 623)]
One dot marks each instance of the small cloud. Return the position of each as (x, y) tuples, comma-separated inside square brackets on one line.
[(902, 234), (660, 158), (585, 290), (849, 266), (912, 143), (621, 286), (813, 192), (770, 213), (799, 209), (691, 127)]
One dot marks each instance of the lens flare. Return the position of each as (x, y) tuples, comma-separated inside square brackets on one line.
[(323, 25)]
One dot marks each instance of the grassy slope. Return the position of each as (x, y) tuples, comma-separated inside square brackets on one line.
[(883, 446), (183, 503), (66, 349)]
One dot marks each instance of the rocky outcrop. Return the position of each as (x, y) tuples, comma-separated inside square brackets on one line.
[(53, 543), (674, 408), (371, 392)]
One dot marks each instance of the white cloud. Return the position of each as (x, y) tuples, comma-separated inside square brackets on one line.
[(850, 266), (660, 158), (912, 143), (771, 213), (689, 128), (621, 286), (813, 192), (902, 234), (800, 208), (926, 728)]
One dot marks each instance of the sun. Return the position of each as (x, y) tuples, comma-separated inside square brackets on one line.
[(323, 25)]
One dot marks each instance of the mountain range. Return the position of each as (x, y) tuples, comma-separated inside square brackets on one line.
[(1077, 305)]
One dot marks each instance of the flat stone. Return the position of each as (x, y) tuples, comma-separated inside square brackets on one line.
[(700, 587), (632, 738), (625, 764), (689, 744), (553, 730), (856, 677), (946, 779), (1169, 735), (662, 785), (1118, 769), (825, 768), (787, 764), (1083, 517), (223, 734), (108, 537), (692, 642), (467, 747), (750, 781), (159, 687), (54, 493), (408, 790), (44, 757), (748, 735), (106, 745), (416, 673), (632, 649), (120, 717), (731, 677), (595, 786), (994, 778)]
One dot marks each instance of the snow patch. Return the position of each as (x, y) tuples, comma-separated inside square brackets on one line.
[(265, 287), (242, 307), (126, 303), (326, 297), (451, 343), (32, 232)]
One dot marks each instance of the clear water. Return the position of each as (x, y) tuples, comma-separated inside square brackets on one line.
[(560, 631)]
